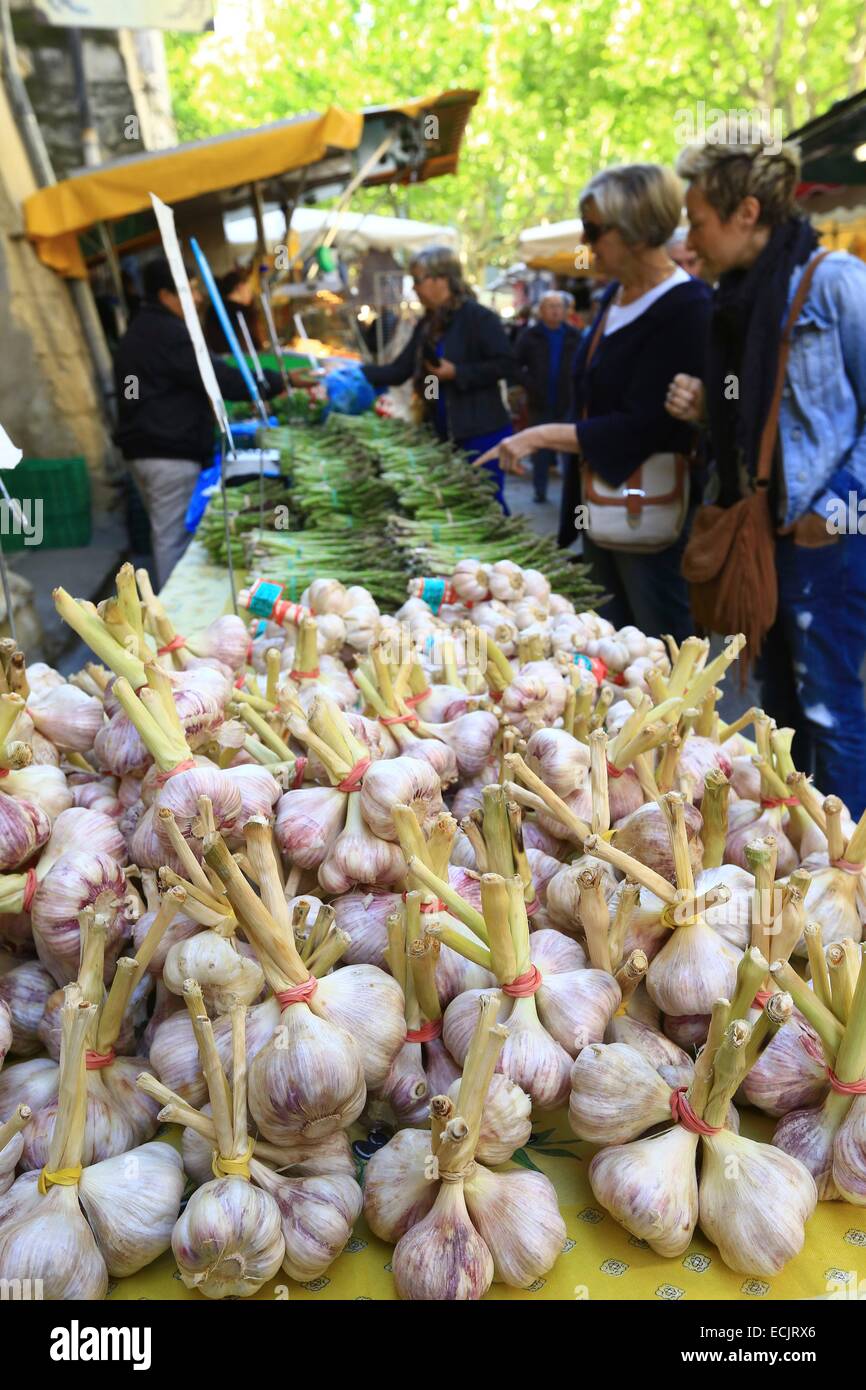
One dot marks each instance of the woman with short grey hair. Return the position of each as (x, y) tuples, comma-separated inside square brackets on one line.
[(651, 315), (456, 358)]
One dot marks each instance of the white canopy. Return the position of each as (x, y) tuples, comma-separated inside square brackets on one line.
[(356, 231), (551, 239)]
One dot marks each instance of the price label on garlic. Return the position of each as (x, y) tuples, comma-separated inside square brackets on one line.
[(171, 245), (10, 454)]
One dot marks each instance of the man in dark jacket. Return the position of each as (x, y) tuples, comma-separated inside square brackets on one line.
[(545, 354), (166, 425), (456, 358)]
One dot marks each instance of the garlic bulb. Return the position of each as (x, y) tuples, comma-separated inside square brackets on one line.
[(358, 855), (731, 919), (506, 1120), (182, 792), (471, 579), (506, 581), (225, 974), (258, 790), (42, 786), (25, 991), (531, 1058), (78, 828), (5, 1031), (75, 882), (443, 1257), (174, 1054), (849, 1155), (624, 794), (405, 1091), (536, 696), (24, 828), (649, 1186), (325, 596), (790, 1073), (693, 969), (318, 1214), (131, 1202), (308, 822), (67, 716), (368, 1004), (563, 892), (616, 1095), (307, 1081), (226, 639), (754, 1202), (228, 1241), (747, 821), (398, 1192), (644, 835), (560, 760), (670, 1061), (698, 756), (53, 1244), (831, 899), (32, 1083), (517, 1216), (470, 735), (398, 781)]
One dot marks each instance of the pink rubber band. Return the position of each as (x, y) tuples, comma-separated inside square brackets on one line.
[(163, 777), (437, 906), (769, 802), (298, 994), (398, 719), (95, 1061), (684, 1115), (846, 1088), (846, 866), (300, 769), (304, 675), (29, 890), (761, 998), (524, 985), (351, 781), (614, 771), (426, 1033), (174, 645), (414, 700), (240, 682)]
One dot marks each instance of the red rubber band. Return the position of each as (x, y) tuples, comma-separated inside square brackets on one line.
[(761, 998), (846, 1088), (4, 771), (437, 906), (684, 1115), (304, 675), (29, 889), (414, 700), (426, 1033), (524, 985), (250, 652), (352, 780), (240, 682), (398, 719), (300, 769), (532, 908), (618, 679), (95, 1061), (614, 771), (496, 694), (162, 777), (846, 866), (769, 802), (174, 645), (298, 994)]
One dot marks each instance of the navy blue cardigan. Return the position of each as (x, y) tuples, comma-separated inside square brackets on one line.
[(628, 378)]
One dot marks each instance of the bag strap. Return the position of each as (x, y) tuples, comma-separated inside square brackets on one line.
[(771, 424), (593, 344)]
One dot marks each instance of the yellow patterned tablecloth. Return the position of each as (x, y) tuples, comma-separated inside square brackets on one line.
[(599, 1261)]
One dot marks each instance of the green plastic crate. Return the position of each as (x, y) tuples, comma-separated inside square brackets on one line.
[(62, 486)]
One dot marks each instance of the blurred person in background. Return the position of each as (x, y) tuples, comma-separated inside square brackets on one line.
[(545, 354), (682, 254), (238, 297), (650, 315), (456, 359), (165, 419), (745, 228)]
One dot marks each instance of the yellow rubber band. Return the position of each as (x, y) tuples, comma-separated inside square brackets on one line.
[(607, 835), (668, 918), (61, 1177), (621, 1011), (233, 1167)]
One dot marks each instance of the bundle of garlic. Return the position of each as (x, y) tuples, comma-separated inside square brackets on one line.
[(423, 1067), (117, 1117), (552, 1004), (456, 1225), (336, 1035), (70, 1226), (829, 1137), (751, 1199)]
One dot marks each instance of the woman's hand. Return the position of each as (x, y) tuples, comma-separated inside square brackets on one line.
[(446, 371), (511, 450), (685, 398)]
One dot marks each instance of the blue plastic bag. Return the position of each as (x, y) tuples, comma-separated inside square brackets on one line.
[(349, 391), (208, 479)]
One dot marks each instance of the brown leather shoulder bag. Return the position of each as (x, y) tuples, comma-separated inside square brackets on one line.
[(730, 559)]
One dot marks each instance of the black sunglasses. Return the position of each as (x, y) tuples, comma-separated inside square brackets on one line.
[(593, 231)]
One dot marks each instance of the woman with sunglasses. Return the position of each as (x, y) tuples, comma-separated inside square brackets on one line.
[(651, 314), (456, 358)]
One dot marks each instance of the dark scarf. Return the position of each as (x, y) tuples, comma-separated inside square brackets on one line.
[(434, 324), (745, 334)]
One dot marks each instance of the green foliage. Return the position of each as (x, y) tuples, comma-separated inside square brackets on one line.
[(566, 88)]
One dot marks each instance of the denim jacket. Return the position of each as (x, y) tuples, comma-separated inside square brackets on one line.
[(822, 421)]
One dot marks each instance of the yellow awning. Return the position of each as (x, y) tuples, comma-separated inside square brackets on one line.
[(55, 216)]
